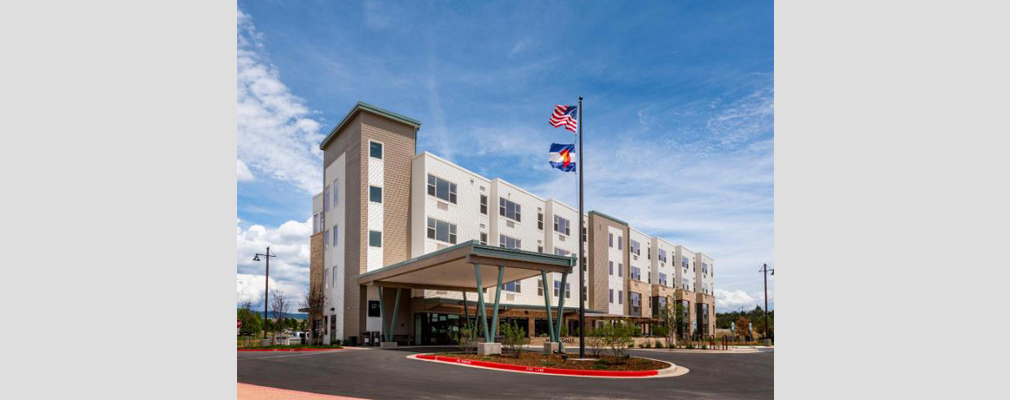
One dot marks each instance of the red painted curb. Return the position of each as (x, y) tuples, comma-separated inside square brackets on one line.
[(287, 350), (542, 370)]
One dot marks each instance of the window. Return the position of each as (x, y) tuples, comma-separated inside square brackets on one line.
[(611, 263), (483, 204), (662, 279), (611, 296), (610, 240), (620, 242), (636, 249), (540, 249), (375, 194), (375, 150), (326, 278), (442, 189), (704, 268), (684, 262), (375, 238), (584, 236), (336, 192), (483, 238), (326, 238), (540, 221), (509, 209), (540, 288), (620, 297), (562, 225), (636, 273), (373, 308), (568, 289), (509, 242), (648, 253), (441, 231), (661, 255), (514, 286), (620, 269), (335, 235), (636, 303), (561, 252), (326, 198)]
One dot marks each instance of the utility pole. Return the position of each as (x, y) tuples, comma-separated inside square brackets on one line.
[(765, 270)]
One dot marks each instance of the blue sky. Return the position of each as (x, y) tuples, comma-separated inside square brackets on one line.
[(678, 113)]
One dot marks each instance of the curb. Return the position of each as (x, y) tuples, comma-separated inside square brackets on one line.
[(672, 370), (287, 350)]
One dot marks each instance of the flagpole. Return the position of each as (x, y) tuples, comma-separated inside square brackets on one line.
[(580, 168)]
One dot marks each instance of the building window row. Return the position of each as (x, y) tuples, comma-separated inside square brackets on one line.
[(514, 286), (509, 242), (562, 225), (568, 289), (441, 189), (509, 209), (441, 231)]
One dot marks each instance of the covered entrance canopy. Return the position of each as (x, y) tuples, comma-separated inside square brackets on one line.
[(463, 268)]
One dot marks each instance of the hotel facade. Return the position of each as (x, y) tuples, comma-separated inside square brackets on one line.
[(383, 203)]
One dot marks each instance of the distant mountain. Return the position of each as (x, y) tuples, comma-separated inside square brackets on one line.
[(285, 315)]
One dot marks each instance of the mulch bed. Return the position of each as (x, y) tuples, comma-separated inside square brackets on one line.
[(536, 359)]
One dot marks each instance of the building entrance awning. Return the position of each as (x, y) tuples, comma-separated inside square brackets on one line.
[(452, 268), (463, 268)]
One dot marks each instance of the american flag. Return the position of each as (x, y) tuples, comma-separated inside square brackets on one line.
[(567, 116)]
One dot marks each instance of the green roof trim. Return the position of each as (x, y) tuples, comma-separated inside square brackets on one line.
[(608, 217), (488, 251), (373, 109)]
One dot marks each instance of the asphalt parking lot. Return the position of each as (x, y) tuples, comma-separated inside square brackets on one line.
[(389, 374)]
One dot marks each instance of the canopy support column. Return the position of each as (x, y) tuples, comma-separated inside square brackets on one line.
[(480, 303), (497, 298), (547, 306), (561, 304), (382, 311), (466, 310), (392, 322)]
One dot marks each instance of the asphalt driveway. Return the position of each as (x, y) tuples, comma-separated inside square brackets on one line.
[(388, 374)]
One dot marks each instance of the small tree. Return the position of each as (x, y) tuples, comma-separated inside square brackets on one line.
[(466, 338), (741, 327), (618, 336), (314, 301), (279, 306), (513, 337), (595, 342), (680, 323)]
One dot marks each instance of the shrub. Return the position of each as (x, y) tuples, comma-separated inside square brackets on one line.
[(594, 340), (704, 346), (513, 337), (618, 337), (466, 338), (659, 345)]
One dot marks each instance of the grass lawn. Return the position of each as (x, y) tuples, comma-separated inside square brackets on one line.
[(537, 359)]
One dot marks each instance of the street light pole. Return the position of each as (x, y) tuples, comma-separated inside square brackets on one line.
[(765, 270), (266, 292)]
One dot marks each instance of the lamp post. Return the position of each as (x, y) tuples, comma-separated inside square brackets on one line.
[(266, 291), (765, 270)]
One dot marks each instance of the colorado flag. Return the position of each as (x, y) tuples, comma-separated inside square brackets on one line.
[(563, 157)]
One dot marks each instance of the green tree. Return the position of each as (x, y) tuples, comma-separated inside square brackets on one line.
[(252, 324), (680, 323), (618, 336)]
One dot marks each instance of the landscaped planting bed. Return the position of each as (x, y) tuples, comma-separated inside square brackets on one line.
[(535, 359)]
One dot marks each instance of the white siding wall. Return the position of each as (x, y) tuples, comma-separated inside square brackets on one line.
[(333, 256), (686, 276), (615, 282), (642, 261), (376, 177), (704, 279), (569, 243), (668, 266)]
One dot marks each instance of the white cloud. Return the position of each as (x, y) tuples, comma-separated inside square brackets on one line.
[(518, 47), (289, 271), (276, 135), (726, 300), (243, 172)]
